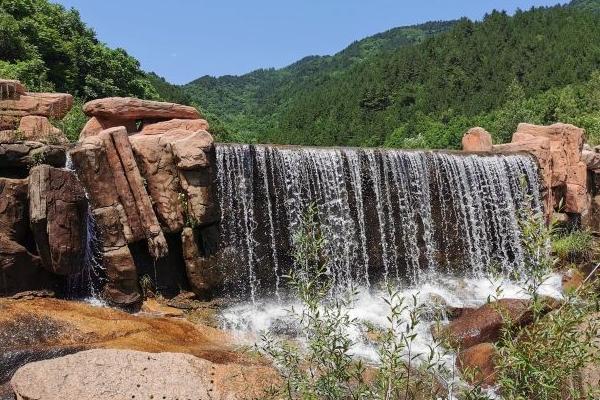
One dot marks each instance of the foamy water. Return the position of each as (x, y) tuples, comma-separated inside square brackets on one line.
[(369, 308)]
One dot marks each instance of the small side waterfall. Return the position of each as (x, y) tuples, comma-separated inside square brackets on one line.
[(386, 215)]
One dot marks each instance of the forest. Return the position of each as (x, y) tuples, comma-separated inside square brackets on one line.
[(414, 87), (422, 86)]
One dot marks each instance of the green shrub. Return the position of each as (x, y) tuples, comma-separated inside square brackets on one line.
[(574, 247)]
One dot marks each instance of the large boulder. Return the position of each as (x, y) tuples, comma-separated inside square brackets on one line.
[(191, 125), (11, 89), (477, 139), (127, 374), (57, 208), (477, 364), (23, 155), (38, 128), (95, 125), (128, 108), (52, 105), (203, 275), (485, 323), (20, 269)]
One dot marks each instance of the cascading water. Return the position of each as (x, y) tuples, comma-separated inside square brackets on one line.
[(386, 215)]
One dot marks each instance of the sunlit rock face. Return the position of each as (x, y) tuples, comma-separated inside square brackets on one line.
[(385, 214)]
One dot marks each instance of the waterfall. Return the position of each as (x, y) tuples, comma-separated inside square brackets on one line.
[(386, 215)]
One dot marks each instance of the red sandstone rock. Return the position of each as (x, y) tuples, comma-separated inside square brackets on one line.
[(96, 125), (485, 323), (157, 166), (20, 270), (9, 122), (37, 128), (202, 275), (477, 364), (190, 151), (122, 288), (591, 159), (11, 89), (57, 208), (576, 199), (477, 139), (25, 154), (133, 109), (570, 136), (55, 105), (191, 125)]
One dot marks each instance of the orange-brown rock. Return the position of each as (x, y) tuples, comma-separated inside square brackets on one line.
[(57, 209), (190, 151), (9, 122), (477, 365), (134, 109), (158, 168), (20, 269), (484, 324), (96, 125), (191, 125), (43, 328), (203, 275), (122, 288), (39, 129), (54, 105), (569, 136), (477, 139), (591, 159), (11, 89)]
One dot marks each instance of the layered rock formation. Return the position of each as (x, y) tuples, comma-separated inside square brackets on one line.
[(42, 206), (145, 185)]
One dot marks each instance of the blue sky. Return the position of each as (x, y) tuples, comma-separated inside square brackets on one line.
[(185, 39)]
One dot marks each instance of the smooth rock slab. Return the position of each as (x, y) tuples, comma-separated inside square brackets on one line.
[(116, 374), (129, 108)]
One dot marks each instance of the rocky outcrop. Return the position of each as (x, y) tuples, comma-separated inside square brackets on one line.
[(111, 374), (51, 105), (201, 271), (57, 208), (477, 139), (128, 108), (192, 125), (32, 330), (37, 128), (11, 89), (484, 324), (477, 365), (96, 125), (23, 155)]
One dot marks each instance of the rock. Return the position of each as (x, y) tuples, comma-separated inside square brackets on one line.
[(157, 166), (122, 288), (477, 139), (191, 125), (203, 275), (133, 109), (37, 128), (485, 323), (9, 122), (572, 280), (156, 241), (33, 294), (11, 89), (20, 269), (591, 159), (477, 365), (58, 207), (576, 200), (47, 327), (52, 105), (96, 125), (110, 374), (152, 306), (190, 151), (107, 168), (184, 301), (23, 155)]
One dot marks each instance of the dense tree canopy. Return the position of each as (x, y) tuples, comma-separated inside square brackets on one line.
[(425, 89), (50, 48)]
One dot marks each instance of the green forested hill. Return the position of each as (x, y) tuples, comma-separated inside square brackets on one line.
[(425, 86)]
